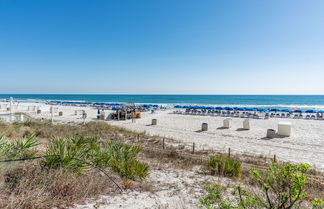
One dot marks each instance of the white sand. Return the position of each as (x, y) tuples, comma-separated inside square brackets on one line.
[(306, 145), (171, 189)]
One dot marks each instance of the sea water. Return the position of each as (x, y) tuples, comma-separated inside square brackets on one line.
[(296, 101)]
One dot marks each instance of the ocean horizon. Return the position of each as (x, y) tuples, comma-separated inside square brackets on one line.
[(302, 101)]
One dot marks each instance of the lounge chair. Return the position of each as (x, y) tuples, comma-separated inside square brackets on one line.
[(266, 116)]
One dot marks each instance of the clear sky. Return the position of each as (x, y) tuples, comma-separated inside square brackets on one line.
[(162, 46)]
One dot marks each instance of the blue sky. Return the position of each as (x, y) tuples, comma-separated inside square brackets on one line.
[(162, 46)]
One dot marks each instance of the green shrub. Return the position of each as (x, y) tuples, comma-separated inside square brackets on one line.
[(318, 203), (67, 153), (123, 160), (18, 148), (281, 187), (76, 153), (224, 166)]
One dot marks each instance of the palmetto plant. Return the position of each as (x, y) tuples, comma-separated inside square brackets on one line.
[(67, 153), (19, 148), (123, 160), (224, 166), (76, 153)]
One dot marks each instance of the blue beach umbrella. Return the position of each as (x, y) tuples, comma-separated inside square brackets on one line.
[(285, 110), (219, 108), (262, 110), (321, 111), (274, 110), (298, 111), (310, 111), (229, 108), (240, 109), (248, 109)]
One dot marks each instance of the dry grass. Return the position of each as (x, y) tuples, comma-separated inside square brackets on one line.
[(28, 186), (47, 130)]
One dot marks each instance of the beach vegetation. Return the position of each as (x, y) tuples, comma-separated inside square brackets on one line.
[(223, 166), (279, 187), (80, 153)]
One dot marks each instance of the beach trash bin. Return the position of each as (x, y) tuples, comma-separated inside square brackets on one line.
[(227, 122), (39, 111), (271, 133), (246, 124), (154, 122), (61, 113), (284, 128), (204, 127)]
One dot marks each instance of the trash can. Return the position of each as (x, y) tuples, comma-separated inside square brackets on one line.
[(39, 111), (271, 133), (284, 128), (154, 122), (60, 113), (246, 124), (227, 123), (204, 127)]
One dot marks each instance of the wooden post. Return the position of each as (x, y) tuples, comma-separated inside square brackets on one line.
[(229, 152), (138, 138), (193, 148), (274, 158), (163, 143)]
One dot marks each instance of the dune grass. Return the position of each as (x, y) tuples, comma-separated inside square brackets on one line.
[(68, 171)]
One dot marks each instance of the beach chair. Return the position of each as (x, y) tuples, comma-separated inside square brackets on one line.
[(313, 117), (266, 116), (256, 116), (283, 115), (296, 116), (307, 117)]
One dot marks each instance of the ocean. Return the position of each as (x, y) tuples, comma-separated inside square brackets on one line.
[(301, 101)]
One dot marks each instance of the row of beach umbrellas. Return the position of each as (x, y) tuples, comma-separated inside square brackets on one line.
[(249, 109), (100, 104)]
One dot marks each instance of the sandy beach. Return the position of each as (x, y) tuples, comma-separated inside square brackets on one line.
[(306, 145)]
